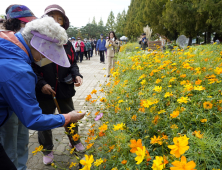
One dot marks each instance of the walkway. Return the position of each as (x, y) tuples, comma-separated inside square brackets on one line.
[(93, 75)]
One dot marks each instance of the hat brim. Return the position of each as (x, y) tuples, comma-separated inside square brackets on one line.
[(27, 19), (51, 51), (66, 24)]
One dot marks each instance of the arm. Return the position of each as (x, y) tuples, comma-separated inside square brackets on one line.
[(40, 82), (19, 93), (97, 45)]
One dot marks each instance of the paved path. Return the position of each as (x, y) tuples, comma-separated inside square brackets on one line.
[(93, 72)]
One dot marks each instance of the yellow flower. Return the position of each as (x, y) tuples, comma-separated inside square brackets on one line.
[(172, 79), (207, 105), (199, 88), (72, 150), (183, 75), (143, 82), (157, 88), (158, 81), (94, 91), (142, 76), (118, 127), (140, 154), (174, 126), (158, 163), (98, 162), (103, 127), (175, 114), (103, 99), (203, 120), (37, 149), (72, 164), (183, 164), (134, 117), (168, 94), (76, 137), (162, 111), (87, 163), (182, 100), (120, 101), (72, 125), (180, 146), (198, 134), (155, 139), (114, 168)]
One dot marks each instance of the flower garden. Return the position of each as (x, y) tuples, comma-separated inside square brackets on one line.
[(160, 110)]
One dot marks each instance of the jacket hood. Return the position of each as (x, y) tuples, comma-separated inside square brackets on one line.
[(13, 46)]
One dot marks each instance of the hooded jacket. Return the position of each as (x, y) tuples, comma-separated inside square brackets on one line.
[(17, 87)]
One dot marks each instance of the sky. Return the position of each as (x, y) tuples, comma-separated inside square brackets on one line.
[(79, 12)]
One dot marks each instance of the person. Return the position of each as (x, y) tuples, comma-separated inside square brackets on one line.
[(85, 49), (80, 48), (88, 49), (73, 41), (57, 80), (111, 45), (143, 42), (17, 87), (92, 45), (95, 42), (14, 136), (101, 47)]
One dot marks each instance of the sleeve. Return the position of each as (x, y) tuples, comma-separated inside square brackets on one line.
[(139, 42), (74, 67), (19, 93), (97, 45), (107, 44), (40, 82)]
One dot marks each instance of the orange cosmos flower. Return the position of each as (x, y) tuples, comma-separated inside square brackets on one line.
[(124, 162), (183, 164), (175, 114), (207, 105), (134, 144), (88, 97)]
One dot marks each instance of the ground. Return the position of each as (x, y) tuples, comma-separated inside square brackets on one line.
[(93, 75)]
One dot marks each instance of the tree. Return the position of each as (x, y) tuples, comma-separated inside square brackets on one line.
[(72, 31), (101, 22), (94, 21), (79, 34), (111, 22)]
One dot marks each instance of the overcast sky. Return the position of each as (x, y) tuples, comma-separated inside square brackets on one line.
[(78, 11)]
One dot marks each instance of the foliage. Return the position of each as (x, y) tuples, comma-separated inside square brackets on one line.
[(130, 47), (167, 102), (110, 24)]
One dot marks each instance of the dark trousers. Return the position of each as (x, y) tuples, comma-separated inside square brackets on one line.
[(48, 107), (81, 56), (89, 54), (5, 162), (77, 54), (102, 58), (85, 52), (92, 52)]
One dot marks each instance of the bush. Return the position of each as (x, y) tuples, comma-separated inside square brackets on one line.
[(130, 47), (161, 109)]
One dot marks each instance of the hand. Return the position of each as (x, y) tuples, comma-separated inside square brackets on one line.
[(78, 81), (47, 89), (75, 115)]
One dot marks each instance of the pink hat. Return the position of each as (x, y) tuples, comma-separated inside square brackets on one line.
[(48, 47)]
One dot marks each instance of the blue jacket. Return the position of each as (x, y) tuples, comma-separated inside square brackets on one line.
[(101, 45), (17, 88)]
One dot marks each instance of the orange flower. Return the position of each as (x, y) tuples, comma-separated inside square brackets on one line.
[(91, 132), (88, 97), (155, 139), (89, 145), (111, 148), (156, 118), (207, 105), (134, 144), (103, 99), (124, 162), (134, 117), (175, 114), (96, 113), (94, 91), (148, 158), (198, 134), (75, 137), (183, 165), (198, 82), (101, 134)]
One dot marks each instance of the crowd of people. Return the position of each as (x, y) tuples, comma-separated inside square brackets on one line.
[(39, 64)]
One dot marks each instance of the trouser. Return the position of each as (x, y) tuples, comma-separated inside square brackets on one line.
[(81, 56), (95, 52), (111, 63), (48, 107), (92, 52), (14, 137), (77, 55), (102, 59), (5, 162), (85, 52), (89, 54)]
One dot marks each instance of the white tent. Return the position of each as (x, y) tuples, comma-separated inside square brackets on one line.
[(123, 38)]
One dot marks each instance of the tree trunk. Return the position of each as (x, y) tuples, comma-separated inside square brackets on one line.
[(197, 39), (205, 38), (208, 37), (190, 41)]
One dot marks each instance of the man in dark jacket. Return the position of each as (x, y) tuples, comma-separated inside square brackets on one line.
[(143, 41)]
